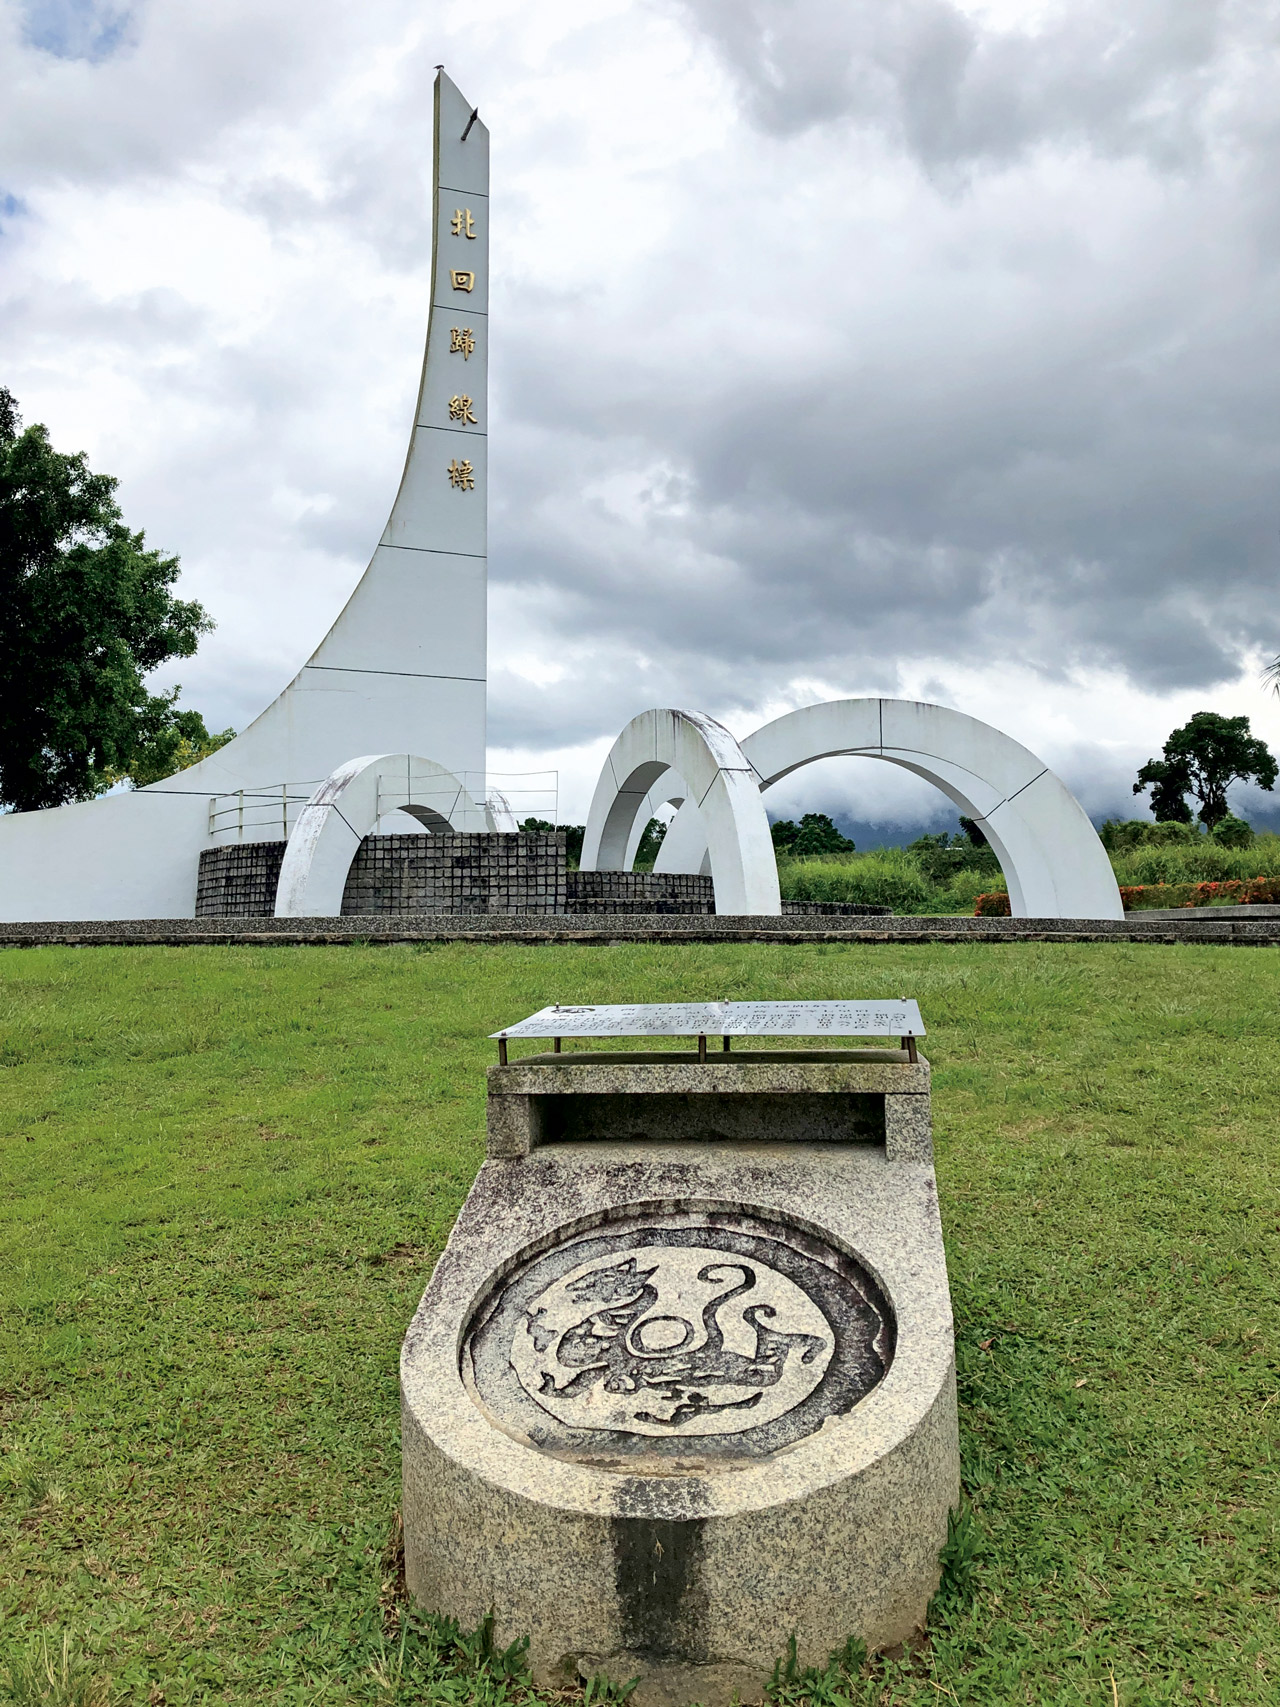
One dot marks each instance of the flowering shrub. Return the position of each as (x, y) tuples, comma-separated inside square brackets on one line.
[(1238, 892), (992, 906)]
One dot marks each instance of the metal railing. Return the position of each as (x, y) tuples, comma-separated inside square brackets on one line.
[(269, 811), (266, 812)]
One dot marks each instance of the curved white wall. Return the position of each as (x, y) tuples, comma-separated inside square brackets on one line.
[(402, 668), (344, 810), (1055, 866), (716, 775)]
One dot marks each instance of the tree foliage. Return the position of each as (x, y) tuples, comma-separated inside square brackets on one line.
[(86, 612), (573, 834), (647, 849), (183, 744), (814, 834), (1203, 759)]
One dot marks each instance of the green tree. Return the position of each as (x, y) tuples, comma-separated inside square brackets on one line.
[(647, 850), (175, 749), (573, 834), (1203, 759), (86, 612), (814, 834)]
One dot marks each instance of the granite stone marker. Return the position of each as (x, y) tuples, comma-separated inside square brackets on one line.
[(683, 1382)]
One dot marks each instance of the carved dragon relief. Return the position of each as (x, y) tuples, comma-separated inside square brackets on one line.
[(657, 1343)]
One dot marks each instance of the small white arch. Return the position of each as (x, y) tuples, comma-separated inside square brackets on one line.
[(1053, 862), (712, 773), (345, 809)]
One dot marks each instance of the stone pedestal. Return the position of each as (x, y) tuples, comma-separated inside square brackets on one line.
[(683, 1382)]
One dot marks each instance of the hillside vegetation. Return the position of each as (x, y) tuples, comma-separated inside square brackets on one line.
[(941, 874)]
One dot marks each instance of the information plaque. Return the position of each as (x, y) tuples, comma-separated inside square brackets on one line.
[(896, 1017)]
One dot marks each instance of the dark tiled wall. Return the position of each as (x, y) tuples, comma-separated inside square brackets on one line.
[(458, 874), (400, 874), (239, 881), (638, 892)]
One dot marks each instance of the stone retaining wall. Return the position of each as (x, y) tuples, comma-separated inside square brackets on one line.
[(524, 875), (504, 874)]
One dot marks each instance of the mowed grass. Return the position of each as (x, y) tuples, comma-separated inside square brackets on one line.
[(227, 1173)]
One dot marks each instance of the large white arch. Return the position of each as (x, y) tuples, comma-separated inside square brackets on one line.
[(716, 779), (1050, 854), (344, 810)]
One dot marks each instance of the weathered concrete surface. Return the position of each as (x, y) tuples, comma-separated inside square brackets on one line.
[(689, 1557), (765, 1095)]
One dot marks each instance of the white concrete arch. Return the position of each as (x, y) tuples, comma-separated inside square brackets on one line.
[(712, 774), (1053, 862), (346, 808)]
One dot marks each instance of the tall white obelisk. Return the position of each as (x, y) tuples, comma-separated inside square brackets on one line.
[(406, 658), (403, 667), (402, 670)]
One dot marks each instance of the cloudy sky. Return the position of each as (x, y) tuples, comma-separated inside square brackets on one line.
[(839, 347)]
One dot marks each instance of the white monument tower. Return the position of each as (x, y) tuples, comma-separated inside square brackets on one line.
[(401, 671)]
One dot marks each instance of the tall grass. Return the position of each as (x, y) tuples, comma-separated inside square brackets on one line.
[(894, 877), (884, 877), (887, 877), (1198, 862)]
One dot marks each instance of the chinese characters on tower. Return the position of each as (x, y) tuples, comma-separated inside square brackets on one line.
[(462, 342)]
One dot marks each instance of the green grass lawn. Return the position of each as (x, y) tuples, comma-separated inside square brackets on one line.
[(227, 1173)]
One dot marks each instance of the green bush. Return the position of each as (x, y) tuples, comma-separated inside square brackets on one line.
[(1124, 835), (944, 858), (1232, 832), (962, 892)]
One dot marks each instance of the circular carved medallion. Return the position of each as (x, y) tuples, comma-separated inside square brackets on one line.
[(702, 1333)]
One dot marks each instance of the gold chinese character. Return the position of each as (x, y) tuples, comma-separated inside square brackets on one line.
[(462, 224), (461, 475), (460, 410), (462, 281), (462, 340)]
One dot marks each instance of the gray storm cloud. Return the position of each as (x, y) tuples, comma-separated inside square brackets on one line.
[(1035, 414)]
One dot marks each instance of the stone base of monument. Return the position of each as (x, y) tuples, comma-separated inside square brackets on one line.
[(682, 1385)]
